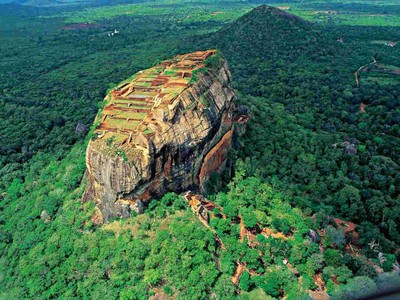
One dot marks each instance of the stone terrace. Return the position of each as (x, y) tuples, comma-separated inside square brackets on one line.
[(129, 107)]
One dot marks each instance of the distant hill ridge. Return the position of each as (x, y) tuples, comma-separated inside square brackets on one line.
[(268, 38), (259, 31)]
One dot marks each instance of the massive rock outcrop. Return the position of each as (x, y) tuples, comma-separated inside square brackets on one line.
[(164, 129)]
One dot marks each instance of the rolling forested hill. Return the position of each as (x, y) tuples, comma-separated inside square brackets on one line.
[(331, 144), (313, 203)]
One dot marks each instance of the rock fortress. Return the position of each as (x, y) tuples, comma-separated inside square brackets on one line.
[(164, 129)]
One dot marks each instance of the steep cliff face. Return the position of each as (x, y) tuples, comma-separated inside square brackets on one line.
[(165, 129)]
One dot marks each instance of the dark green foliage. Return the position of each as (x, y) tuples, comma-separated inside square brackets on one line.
[(307, 135), (340, 274), (333, 257), (69, 258), (334, 237), (244, 283), (298, 82), (224, 288), (356, 288), (359, 266), (281, 225), (52, 79)]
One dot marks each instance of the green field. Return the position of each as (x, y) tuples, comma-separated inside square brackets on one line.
[(183, 12), (355, 13)]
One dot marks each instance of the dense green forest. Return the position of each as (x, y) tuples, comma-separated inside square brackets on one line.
[(329, 155), (318, 146)]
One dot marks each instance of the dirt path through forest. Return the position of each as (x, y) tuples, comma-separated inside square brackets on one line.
[(361, 68)]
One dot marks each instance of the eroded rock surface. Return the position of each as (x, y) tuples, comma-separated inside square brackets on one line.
[(164, 129)]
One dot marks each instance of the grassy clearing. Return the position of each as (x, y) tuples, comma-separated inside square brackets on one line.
[(380, 78), (368, 20), (391, 67), (342, 18), (182, 12), (357, 13), (381, 42)]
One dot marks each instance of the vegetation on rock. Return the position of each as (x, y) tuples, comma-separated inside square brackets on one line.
[(313, 203)]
